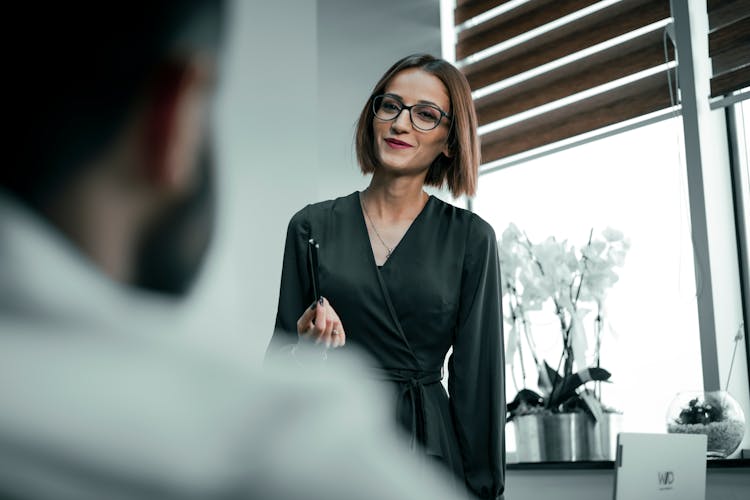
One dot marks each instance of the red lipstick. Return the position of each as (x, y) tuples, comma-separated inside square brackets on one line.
[(396, 144)]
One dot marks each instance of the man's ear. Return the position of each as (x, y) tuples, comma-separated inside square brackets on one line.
[(177, 103)]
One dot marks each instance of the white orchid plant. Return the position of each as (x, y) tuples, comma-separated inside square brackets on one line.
[(575, 282)]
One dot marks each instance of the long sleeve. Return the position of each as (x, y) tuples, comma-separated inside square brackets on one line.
[(295, 293), (476, 367)]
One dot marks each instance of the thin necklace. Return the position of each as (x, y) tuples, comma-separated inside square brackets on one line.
[(388, 249)]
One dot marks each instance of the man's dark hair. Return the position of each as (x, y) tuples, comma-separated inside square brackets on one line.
[(78, 71)]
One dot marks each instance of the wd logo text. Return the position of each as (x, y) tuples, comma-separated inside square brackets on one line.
[(666, 479)]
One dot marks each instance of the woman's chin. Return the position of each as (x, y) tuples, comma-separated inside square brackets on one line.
[(401, 167)]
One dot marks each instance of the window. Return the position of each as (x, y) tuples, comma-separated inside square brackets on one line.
[(635, 182), (582, 122), (742, 179), (739, 130)]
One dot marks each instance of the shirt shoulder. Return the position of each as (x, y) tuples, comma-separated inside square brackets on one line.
[(323, 210), (475, 226)]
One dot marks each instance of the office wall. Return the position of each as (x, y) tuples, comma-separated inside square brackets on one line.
[(358, 40), (267, 156), (295, 75)]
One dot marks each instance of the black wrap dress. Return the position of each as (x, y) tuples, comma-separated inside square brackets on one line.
[(440, 288)]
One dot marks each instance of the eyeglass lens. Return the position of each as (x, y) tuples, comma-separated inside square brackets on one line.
[(423, 116)]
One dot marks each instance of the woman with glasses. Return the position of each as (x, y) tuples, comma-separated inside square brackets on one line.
[(408, 277)]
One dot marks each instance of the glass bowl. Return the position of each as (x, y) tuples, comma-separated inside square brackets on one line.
[(713, 413)]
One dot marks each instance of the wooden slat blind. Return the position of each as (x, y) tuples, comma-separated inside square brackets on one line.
[(636, 55), (520, 20), (630, 101), (497, 100), (729, 45), (466, 9)]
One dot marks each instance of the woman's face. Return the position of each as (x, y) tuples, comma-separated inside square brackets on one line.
[(400, 146)]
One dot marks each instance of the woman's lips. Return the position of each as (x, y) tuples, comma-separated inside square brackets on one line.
[(396, 144)]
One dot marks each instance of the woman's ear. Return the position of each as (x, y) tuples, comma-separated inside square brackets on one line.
[(447, 149), (177, 103)]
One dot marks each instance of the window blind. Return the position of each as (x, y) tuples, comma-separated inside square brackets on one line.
[(546, 70), (729, 45)]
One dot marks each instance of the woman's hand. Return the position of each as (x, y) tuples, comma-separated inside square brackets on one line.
[(320, 323)]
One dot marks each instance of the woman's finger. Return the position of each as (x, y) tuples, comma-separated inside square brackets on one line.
[(338, 335), (327, 336), (305, 321), (321, 317), (338, 339), (321, 324)]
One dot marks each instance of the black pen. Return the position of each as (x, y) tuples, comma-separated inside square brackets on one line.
[(312, 258)]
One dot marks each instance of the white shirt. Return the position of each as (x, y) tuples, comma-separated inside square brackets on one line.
[(101, 398)]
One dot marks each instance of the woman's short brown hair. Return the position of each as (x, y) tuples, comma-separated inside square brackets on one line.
[(460, 170)]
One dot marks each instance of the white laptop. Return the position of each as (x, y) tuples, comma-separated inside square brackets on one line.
[(660, 467)]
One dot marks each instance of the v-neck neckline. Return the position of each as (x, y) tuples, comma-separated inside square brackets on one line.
[(363, 225)]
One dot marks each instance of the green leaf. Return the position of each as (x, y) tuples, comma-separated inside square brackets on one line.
[(526, 398), (591, 405), (567, 388)]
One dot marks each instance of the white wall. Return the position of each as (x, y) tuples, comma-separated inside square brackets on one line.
[(358, 40), (267, 151), (295, 76)]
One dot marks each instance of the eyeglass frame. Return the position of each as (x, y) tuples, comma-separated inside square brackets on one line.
[(408, 108)]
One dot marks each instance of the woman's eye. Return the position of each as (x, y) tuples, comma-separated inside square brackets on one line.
[(427, 114)]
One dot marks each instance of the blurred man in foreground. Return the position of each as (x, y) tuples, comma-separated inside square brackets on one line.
[(105, 215)]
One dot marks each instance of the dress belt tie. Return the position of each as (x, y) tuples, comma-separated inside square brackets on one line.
[(412, 384)]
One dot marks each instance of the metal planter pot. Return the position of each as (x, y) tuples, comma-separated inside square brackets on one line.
[(529, 438), (603, 437), (566, 437)]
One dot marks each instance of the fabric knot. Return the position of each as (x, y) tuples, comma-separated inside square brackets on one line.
[(412, 384)]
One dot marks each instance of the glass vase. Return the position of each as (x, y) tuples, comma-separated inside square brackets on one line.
[(713, 413)]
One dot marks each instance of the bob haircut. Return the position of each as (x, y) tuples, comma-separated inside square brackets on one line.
[(460, 170)]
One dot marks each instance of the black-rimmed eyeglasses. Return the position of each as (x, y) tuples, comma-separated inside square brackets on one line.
[(423, 116)]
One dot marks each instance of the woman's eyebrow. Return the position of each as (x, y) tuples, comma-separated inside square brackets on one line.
[(421, 101)]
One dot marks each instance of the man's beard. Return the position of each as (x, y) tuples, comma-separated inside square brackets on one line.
[(173, 248)]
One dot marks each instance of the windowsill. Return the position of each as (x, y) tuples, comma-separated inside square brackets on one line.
[(729, 463), (582, 465)]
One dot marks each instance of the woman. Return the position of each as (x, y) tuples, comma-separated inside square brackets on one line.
[(407, 276)]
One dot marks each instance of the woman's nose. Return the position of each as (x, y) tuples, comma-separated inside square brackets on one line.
[(402, 122)]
